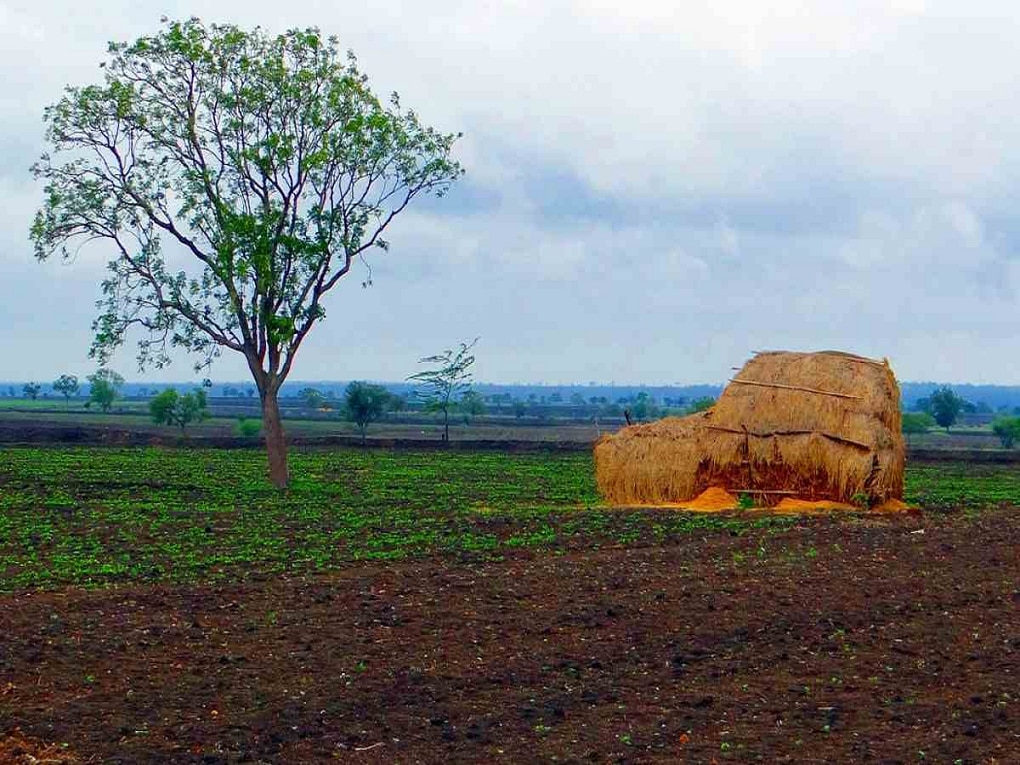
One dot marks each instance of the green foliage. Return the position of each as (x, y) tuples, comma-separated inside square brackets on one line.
[(952, 487), (700, 404), (104, 388), (1008, 430), (471, 405), (103, 515), (917, 422), (248, 428), (364, 403), (313, 398), (945, 406), (645, 407), (284, 169), (97, 516), (171, 408), (236, 177), (861, 499), (446, 382), (31, 390), (67, 386)]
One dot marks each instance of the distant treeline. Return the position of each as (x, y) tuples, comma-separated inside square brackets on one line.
[(989, 397)]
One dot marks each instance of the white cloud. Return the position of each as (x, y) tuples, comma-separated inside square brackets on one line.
[(654, 190)]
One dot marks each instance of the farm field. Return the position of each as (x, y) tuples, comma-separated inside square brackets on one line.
[(167, 605), (54, 426), (48, 421)]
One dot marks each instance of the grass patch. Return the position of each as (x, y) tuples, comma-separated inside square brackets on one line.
[(94, 516)]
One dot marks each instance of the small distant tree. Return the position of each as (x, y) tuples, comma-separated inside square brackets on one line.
[(446, 382), (104, 387), (700, 404), (67, 386), (248, 428), (945, 406), (31, 390), (611, 409), (916, 422), (313, 398), (471, 405), (520, 408), (365, 403), (645, 407), (1008, 430), (171, 408)]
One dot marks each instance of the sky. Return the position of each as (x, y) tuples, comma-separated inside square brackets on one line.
[(654, 190)]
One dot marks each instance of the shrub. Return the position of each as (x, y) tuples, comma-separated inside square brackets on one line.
[(248, 428), (1008, 430)]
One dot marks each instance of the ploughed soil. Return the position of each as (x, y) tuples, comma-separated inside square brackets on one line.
[(892, 640)]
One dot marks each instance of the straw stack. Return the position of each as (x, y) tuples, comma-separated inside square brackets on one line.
[(816, 426)]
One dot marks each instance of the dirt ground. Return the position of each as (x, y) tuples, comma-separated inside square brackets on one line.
[(833, 641)]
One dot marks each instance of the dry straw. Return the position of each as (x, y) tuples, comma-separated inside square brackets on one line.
[(816, 426)]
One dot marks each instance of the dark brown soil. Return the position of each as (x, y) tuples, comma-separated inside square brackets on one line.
[(887, 641)]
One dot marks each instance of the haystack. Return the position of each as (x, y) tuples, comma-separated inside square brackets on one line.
[(812, 426)]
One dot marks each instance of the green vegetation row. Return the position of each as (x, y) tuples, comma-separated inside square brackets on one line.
[(91, 517)]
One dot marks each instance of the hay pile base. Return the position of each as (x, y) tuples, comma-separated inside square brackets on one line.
[(809, 426), (712, 500)]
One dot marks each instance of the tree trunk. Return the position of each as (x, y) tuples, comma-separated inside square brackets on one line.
[(276, 447)]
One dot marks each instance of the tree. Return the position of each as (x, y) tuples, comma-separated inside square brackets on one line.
[(645, 407), (104, 387), (916, 422), (396, 403), (171, 408), (472, 405), (68, 386), (944, 405), (1007, 429), (450, 379), (31, 390), (264, 162), (313, 399), (364, 403)]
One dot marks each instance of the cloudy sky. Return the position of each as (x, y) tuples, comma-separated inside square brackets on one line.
[(654, 189)]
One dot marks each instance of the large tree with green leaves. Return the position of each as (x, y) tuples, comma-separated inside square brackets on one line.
[(236, 177)]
